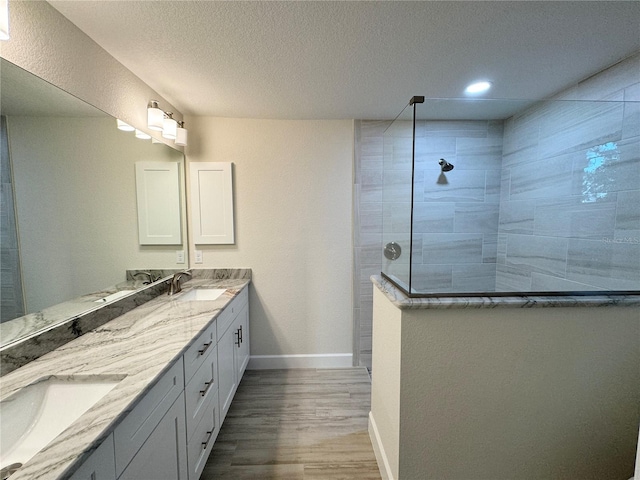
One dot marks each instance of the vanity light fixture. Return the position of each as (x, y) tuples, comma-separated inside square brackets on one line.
[(141, 135), (181, 135), (4, 19), (477, 88), (155, 116), (169, 126), (161, 121), (125, 127)]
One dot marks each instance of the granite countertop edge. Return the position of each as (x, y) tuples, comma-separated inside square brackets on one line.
[(139, 347), (403, 302)]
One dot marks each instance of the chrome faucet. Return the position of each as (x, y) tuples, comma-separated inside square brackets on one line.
[(149, 276), (174, 286)]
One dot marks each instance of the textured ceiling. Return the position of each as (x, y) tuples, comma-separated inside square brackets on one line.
[(353, 59)]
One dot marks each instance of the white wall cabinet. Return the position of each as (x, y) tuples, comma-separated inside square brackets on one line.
[(158, 197), (170, 433), (211, 186)]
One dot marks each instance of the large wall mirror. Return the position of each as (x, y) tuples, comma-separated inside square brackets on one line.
[(69, 216)]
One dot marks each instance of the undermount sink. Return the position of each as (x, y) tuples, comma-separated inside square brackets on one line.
[(202, 294), (39, 412)]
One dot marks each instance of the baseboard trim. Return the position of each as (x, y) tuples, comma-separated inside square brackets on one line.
[(378, 450), (327, 360)]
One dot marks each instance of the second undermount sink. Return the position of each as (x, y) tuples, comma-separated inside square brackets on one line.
[(39, 412), (202, 294)]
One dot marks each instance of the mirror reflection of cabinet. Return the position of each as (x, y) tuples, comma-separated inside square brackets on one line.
[(75, 194), (158, 195), (212, 202)]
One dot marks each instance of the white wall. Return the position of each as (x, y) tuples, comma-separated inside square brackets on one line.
[(292, 189)]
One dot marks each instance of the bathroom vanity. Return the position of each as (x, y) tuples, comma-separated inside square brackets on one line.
[(177, 361)]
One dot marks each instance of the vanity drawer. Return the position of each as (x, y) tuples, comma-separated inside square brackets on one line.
[(200, 445), (200, 390), (138, 425), (228, 315), (199, 350)]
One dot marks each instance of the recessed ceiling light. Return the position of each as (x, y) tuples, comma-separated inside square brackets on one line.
[(477, 88)]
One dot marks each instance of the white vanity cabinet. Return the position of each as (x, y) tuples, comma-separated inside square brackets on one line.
[(163, 455), (101, 465), (233, 351), (170, 433), (201, 395), (151, 441)]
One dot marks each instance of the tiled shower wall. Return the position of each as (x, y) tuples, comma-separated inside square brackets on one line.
[(570, 204), (455, 213), (12, 304), (552, 160)]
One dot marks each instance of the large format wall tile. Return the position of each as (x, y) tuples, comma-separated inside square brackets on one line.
[(628, 212), (537, 254), (574, 217), (452, 248), (604, 263), (461, 186), (575, 165), (476, 218)]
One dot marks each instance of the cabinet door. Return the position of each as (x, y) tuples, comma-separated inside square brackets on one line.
[(101, 465), (201, 443), (158, 195), (164, 454), (211, 202), (242, 350), (134, 430), (227, 370)]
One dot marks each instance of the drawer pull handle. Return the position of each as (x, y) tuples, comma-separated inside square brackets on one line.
[(207, 386), (241, 341), (238, 338), (206, 347), (206, 442)]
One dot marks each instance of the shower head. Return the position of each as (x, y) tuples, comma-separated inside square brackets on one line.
[(446, 166)]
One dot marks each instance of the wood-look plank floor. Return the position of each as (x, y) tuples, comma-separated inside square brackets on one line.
[(296, 425)]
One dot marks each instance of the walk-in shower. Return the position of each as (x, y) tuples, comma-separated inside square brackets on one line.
[(544, 198)]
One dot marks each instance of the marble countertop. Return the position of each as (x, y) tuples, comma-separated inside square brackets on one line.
[(402, 301), (139, 346)]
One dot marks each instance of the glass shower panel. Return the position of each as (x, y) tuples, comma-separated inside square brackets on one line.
[(396, 197), (499, 196)]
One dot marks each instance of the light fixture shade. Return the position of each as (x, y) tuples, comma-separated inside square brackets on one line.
[(182, 136), (170, 127), (4, 19), (155, 116), (125, 127), (141, 135)]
